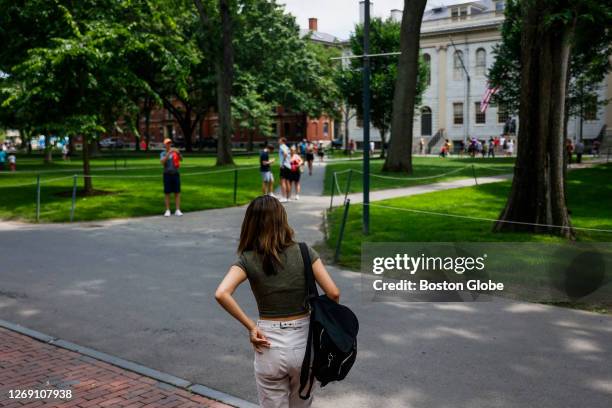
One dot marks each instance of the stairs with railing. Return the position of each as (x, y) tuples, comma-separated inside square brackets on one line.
[(435, 142)]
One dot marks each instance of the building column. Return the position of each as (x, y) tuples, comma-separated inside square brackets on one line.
[(442, 102)]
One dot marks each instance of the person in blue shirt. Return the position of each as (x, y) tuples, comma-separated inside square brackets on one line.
[(2, 158)]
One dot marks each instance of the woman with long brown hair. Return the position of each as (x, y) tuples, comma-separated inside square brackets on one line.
[(271, 260)]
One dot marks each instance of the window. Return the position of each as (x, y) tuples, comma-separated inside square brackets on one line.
[(287, 129), (426, 121), (481, 117), (427, 61), (502, 114), (459, 13), (481, 62), (457, 65), (326, 129), (458, 113)]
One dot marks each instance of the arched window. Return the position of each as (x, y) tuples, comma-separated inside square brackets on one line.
[(426, 121), (457, 65), (481, 61), (427, 61)]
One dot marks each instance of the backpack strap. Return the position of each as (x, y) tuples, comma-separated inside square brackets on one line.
[(311, 292), (311, 286)]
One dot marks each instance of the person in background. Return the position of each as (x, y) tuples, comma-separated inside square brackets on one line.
[(284, 157), (321, 152), (510, 149), (596, 146), (2, 158), (309, 157), (303, 145), (271, 260), (579, 151), (267, 178), (491, 151), (66, 152), (372, 147), (352, 147), (421, 146), (170, 158), (484, 148), (569, 149), (12, 161), (296, 172)]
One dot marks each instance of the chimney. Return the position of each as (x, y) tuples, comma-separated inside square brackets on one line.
[(312, 24), (362, 11), (396, 15)]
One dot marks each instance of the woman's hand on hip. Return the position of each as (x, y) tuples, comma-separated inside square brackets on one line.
[(258, 340)]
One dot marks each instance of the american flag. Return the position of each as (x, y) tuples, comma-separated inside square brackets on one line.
[(486, 98)]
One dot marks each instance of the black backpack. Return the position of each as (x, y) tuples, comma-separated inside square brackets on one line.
[(332, 336)]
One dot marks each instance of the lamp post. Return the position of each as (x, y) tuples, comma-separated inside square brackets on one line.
[(366, 117)]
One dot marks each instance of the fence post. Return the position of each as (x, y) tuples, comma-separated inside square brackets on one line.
[(38, 198), (474, 173), (331, 201), (235, 184), (348, 184), (74, 189), (347, 203)]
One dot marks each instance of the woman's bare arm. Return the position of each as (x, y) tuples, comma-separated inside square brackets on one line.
[(235, 276), (325, 281)]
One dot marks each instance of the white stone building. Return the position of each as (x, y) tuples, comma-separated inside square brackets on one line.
[(457, 42)]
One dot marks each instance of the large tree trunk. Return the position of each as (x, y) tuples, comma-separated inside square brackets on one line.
[(538, 188), (187, 127), (383, 142), (399, 156), (137, 134), (225, 74), (148, 106), (87, 184), (48, 149)]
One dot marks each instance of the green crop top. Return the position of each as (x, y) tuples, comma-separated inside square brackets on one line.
[(283, 294)]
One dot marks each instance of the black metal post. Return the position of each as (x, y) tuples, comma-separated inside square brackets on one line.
[(38, 198), (74, 190), (348, 184), (366, 117), (331, 200), (347, 203), (235, 184)]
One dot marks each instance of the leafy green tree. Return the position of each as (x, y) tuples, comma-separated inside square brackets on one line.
[(549, 33), (72, 79), (384, 38)]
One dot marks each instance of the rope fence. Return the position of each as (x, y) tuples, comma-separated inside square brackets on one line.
[(40, 182)]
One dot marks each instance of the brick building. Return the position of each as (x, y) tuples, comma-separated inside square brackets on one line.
[(294, 126)]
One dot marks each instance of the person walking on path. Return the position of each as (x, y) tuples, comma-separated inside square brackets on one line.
[(321, 152), (285, 169), (271, 261), (579, 151), (310, 157), (267, 179), (171, 158), (510, 149), (491, 148), (296, 172)]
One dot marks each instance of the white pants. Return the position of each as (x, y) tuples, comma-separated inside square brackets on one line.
[(277, 369)]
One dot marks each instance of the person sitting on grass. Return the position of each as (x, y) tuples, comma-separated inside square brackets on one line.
[(170, 159)]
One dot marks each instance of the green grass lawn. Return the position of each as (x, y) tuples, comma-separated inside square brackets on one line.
[(589, 199), (428, 167), (133, 190)]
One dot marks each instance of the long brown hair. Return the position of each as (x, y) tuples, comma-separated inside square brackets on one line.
[(265, 231)]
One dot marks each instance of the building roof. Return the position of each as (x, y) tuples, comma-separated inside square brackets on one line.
[(321, 37)]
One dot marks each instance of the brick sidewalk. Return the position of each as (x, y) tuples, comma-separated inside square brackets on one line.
[(28, 364)]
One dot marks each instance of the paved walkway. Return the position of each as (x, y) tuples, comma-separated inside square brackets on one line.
[(143, 289), (79, 381)]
